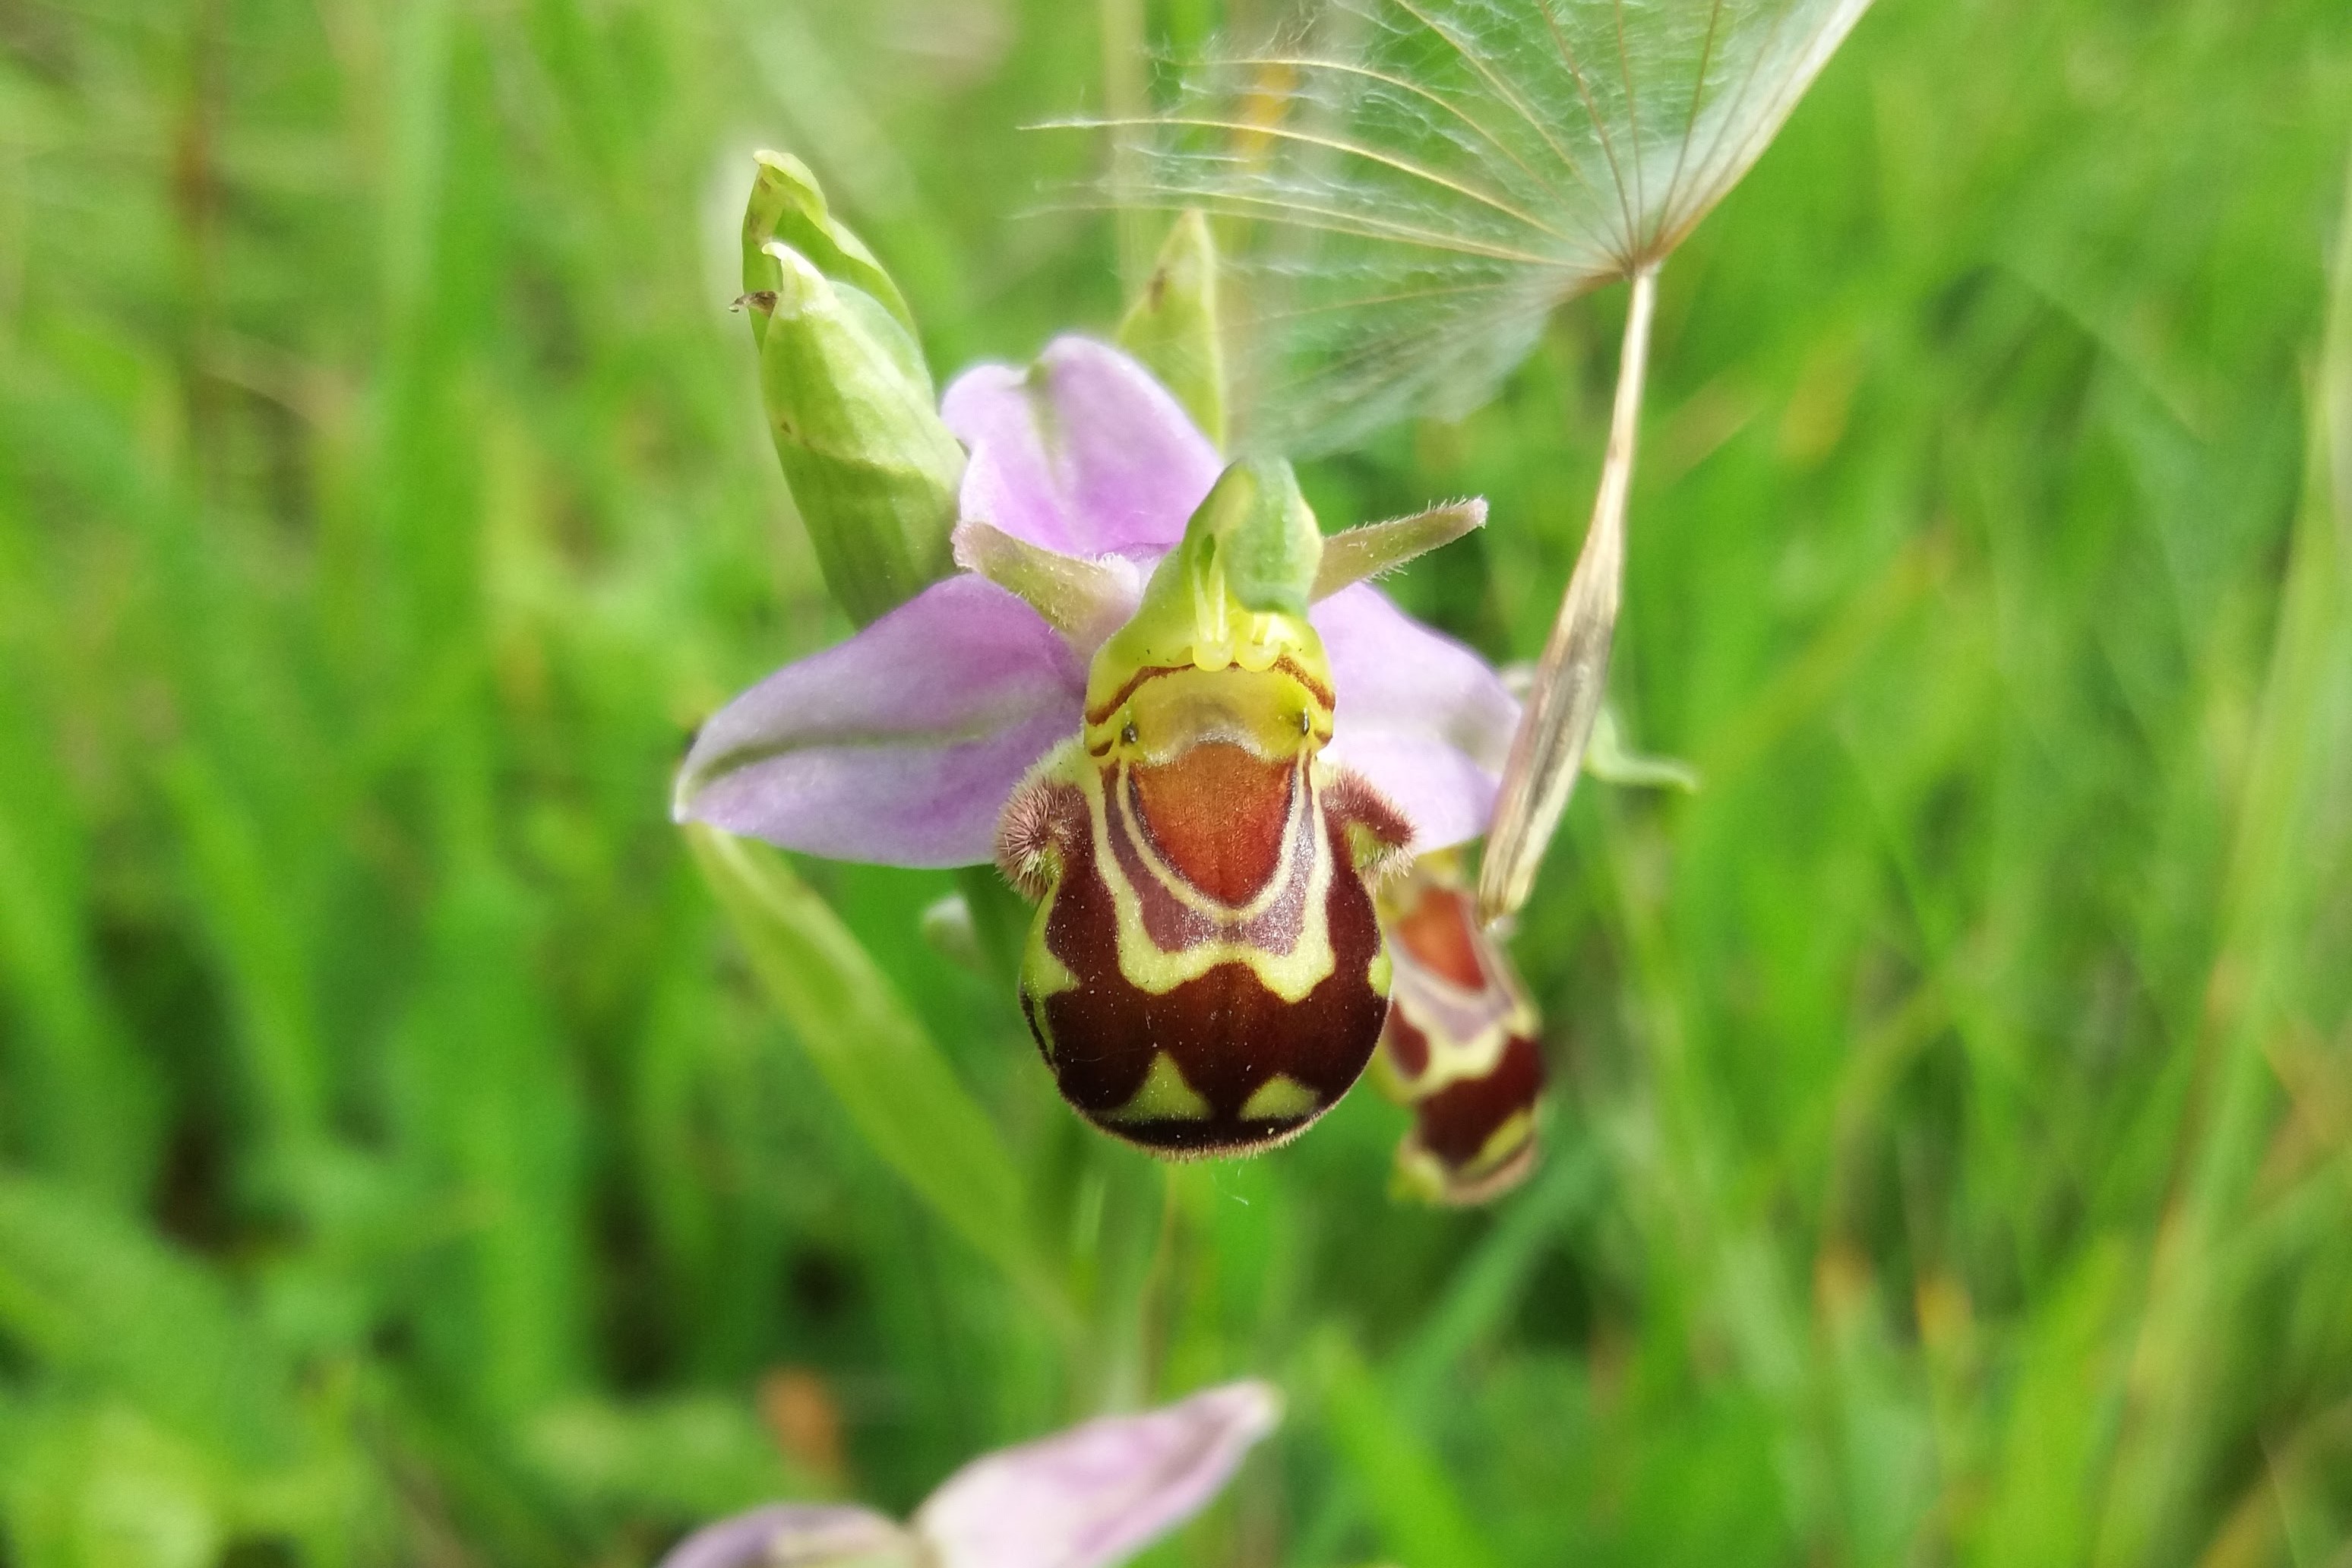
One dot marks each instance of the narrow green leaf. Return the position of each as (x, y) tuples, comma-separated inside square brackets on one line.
[(260, 940), (693, 1457), (1609, 759), (82, 1103), (877, 1056), (492, 1122), (85, 1290), (94, 1486), (1422, 1516), (1491, 1281)]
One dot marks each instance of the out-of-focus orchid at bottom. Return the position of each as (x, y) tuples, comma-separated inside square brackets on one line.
[(1461, 1046), (1181, 721), (1087, 1498)]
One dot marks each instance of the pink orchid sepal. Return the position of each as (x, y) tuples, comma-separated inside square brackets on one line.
[(1090, 1497)]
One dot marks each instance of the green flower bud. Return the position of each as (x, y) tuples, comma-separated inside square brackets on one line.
[(871, 468), (787, 203), (850, 403), (1173, 327)]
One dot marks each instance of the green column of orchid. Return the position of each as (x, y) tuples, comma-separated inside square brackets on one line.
[(1234, 591), (850, 403)]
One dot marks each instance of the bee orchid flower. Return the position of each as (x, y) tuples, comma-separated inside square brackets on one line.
[(1462, 1046), (1088, 1498), (1174, 712)]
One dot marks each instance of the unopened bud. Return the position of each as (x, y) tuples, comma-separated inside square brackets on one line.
[(872, 468), (787, 203), (848, 396), (1172, 326)]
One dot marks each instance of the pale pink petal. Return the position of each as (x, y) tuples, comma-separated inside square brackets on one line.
[(899, 746), (1421, 716), (803, 1535), (1095, 1494), (1082, 452)]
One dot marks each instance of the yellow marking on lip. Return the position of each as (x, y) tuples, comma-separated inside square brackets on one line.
[(1163, 1097), (1516, 1130), (1275, 713), (1501, 1162), (1453, 1060), (1280, 1098)]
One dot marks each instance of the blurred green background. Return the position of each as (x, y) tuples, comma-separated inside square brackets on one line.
[(1950, 1158)]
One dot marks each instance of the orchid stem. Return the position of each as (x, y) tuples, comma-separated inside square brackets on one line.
[(1549, 750)]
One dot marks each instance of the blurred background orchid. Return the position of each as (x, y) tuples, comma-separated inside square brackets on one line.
[(1089, 1498)]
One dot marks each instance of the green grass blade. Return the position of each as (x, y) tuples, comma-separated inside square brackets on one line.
[(1422, 1516), (87, 1291), (889, 1074)]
